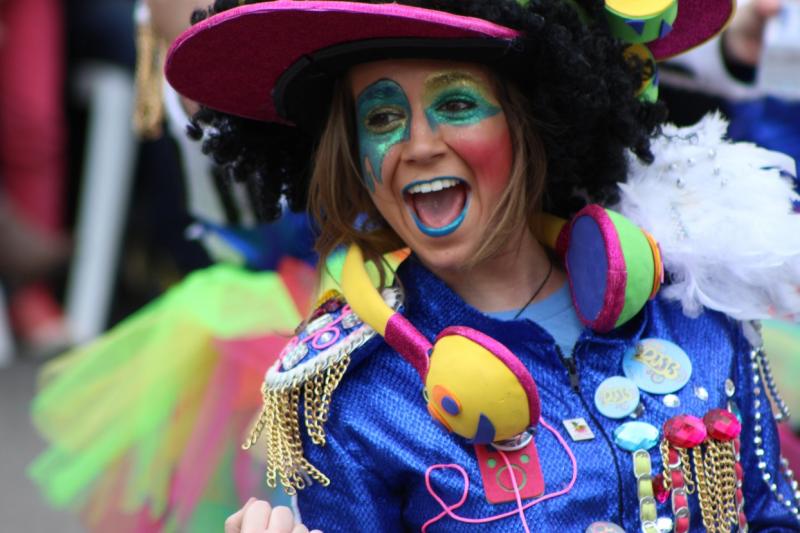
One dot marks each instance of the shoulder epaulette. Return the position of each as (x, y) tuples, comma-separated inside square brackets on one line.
[(313, 362)]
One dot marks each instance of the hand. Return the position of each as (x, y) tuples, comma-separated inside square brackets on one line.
[(744, 38), (258, 516)]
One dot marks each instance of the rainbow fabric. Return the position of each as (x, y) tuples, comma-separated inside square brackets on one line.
[(145, 424)]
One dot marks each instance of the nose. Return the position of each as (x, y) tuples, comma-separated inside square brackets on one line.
[(425, 144)]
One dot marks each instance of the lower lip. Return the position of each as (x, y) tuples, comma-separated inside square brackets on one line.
[(444, 230)]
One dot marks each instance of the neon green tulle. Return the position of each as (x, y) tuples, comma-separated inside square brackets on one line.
[(123, 391)]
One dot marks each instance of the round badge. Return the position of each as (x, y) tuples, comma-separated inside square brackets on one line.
[(616, 397), (657, 366), (604, 527)]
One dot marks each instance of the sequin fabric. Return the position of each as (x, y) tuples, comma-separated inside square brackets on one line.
[(381, 438)]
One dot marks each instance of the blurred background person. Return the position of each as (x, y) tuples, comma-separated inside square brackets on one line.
[(32, 167)]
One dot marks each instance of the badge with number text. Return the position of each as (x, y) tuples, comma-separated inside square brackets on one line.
[(657, 366)]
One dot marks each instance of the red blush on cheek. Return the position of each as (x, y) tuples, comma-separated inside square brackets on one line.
[(486, 148)]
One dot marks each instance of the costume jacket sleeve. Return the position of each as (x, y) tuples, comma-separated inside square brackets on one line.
[(365, 488), (356, 497), (766, 489)]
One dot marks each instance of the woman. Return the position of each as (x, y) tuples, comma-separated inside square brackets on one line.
[(447, 128)]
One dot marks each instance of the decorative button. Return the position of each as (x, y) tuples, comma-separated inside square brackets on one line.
[(722, 425), (604, 527), (671, 400), (657, 366), (664, 524), (632, 436), (730, 388), (701, 393), (616, 397), (685, 431)]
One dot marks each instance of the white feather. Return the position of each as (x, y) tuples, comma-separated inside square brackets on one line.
[(722, 215)]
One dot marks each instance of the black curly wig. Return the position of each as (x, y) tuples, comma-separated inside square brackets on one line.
[(579, 85)]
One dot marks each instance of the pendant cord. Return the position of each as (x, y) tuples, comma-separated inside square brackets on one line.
[(536, 292)]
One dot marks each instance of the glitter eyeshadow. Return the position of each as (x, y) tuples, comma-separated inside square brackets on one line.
[(384, 99), (457, 99)]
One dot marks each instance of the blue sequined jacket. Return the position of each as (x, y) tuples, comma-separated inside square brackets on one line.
[(381, 439)]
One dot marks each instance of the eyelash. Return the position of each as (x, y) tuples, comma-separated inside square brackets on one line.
[(464, 103), (388, 125)]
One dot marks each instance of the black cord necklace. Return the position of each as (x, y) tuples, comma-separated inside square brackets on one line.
[(536, 292)]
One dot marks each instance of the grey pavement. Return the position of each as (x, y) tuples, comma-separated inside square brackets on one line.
[(22, 509)]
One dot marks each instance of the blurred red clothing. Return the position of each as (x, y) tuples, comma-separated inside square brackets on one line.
[(31, 112)]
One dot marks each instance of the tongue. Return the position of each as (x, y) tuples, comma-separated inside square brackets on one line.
[(440, 208)]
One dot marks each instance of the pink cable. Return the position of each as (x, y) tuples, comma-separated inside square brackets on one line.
[(520, 510)]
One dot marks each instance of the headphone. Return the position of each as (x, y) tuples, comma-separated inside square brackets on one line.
[(473, 384)]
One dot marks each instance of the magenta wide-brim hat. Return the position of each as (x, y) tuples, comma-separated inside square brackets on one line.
[(247, 61)]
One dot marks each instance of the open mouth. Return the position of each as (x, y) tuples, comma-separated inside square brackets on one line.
[(439, 205)]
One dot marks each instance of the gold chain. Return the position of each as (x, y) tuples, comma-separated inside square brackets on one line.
[(262, 420), (667, 479), (686, 465), (703, 492), (728, 454)]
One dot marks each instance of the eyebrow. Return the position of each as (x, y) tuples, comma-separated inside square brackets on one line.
[(437, 81)]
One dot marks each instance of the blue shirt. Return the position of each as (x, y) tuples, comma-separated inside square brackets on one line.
[(381, 439), (555, 314)]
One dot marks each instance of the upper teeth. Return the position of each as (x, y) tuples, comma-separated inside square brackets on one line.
[(434, 185)]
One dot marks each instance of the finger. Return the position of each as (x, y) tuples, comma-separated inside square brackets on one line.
[(256, 517), (281, 520), (233, 524), (300, 528)]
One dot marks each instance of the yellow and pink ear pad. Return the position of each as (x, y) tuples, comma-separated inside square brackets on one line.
[(613, 266), (474, 385)]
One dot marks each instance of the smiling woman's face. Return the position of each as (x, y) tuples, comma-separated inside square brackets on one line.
[(435, 152)]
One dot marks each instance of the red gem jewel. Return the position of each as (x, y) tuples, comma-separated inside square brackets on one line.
[(660, 492), (677, 479), (739, 495), (742, 521), (680, 499), (674, 456), (685, 431), (739, 471), (722, 425), (681, 524)]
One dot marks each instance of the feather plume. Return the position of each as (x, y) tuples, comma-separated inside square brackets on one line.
[(722, 215)]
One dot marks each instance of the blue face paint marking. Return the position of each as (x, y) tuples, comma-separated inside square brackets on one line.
[(444, 230), (383, 115)]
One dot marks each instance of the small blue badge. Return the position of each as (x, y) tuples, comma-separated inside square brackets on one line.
[(616, 397), (657, 366)]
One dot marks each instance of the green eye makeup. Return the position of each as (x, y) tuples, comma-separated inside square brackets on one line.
[(457, 99), (384, 119)]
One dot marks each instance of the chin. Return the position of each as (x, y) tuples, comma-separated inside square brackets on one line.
[(445, 258)]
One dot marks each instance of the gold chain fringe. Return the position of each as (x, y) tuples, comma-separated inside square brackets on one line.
[(280, 424)]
